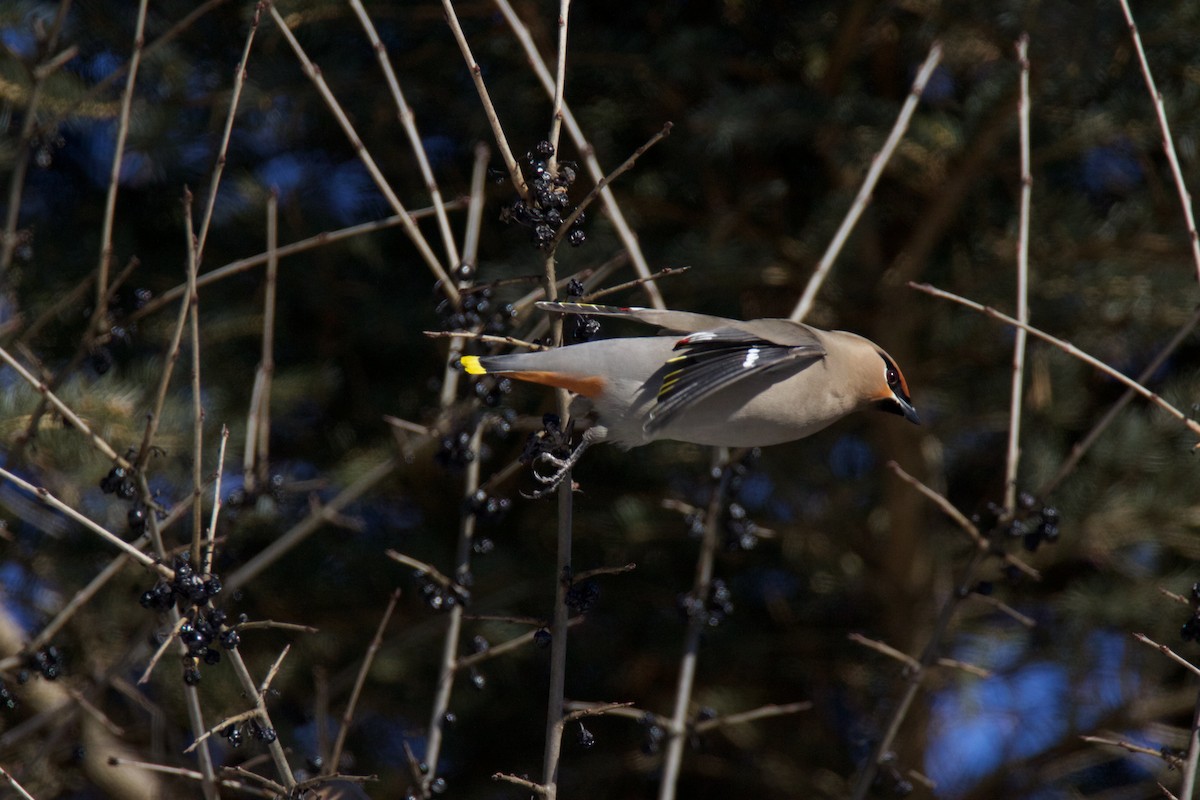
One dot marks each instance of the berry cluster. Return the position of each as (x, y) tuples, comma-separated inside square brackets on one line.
[(890, 779), (48, 662), (585, 327), (455, 451), (491, 390), (101, 356), (1191, 629), (1032, 524), (582, 597), (474, 310), (187, 589), (712, 610), (202, 624), (655, 734), (549, 203), (487, 508), (8, 701), (119, 481), (235, 734), (585, 737), (438, 595)]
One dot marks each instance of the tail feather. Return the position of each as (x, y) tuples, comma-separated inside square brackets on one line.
[(473, 366)]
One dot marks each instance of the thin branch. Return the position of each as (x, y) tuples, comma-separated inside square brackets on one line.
[(486, 338), (309, 525), (1160, 110), (239, 81), (161, 650), (335, 755), (968, 527), (44, 496), (41, 73), (915, 677), (1171, 761), (489, 110), (211, 539), (114, 179), (908, 661), (536, 788), (273, 671), (1004, 608), (466, 662), (408, 122), (256, 460), (560, 82), (605, 182), (1068, 348), (62, 408), (697, 622), (410, 226), (1018, 368), (868, 187), (197, 400), (312, 242), (611, 207), (665, 272), (754, 715), (250, 690), (462, 570), (16, 787), (1169, 653), (1079, 449)]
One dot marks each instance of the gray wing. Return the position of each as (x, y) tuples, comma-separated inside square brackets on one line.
[(711, 360), (674, 321)]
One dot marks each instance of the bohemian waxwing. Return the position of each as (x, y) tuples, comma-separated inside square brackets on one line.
[(726, 382)]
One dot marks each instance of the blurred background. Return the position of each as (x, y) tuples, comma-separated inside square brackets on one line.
[(778, 109)]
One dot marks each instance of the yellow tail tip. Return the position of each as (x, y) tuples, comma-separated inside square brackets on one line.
[(472, 366)]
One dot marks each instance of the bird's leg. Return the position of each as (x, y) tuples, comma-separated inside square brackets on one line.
[(564, 465)]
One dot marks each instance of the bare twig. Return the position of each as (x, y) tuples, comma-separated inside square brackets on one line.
[(536, 788), (408, 122), (1018, 368), (114, 179), (514, 170), (604, 183), (515, 643), (335, 755), (256, 463), (864, 193), (665, 272), (197, 401), (980, 541), (275, 748), (9, 237), (161, 650), (560, 82), (462, 570), (626, 234), (1080, 448), (486, 338), (211, 538), (239, 81), (1006, 609), (410, 226), (62, 408), (697, 622), (1168, 652), (1068, 348), (16, 787), (886, 649), (915, 677), (753, 715), (310, 524), (1172, 761), (250, 262), (1160, 110), (44, 496)]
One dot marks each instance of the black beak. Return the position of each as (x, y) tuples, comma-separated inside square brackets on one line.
[(901, 407)]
